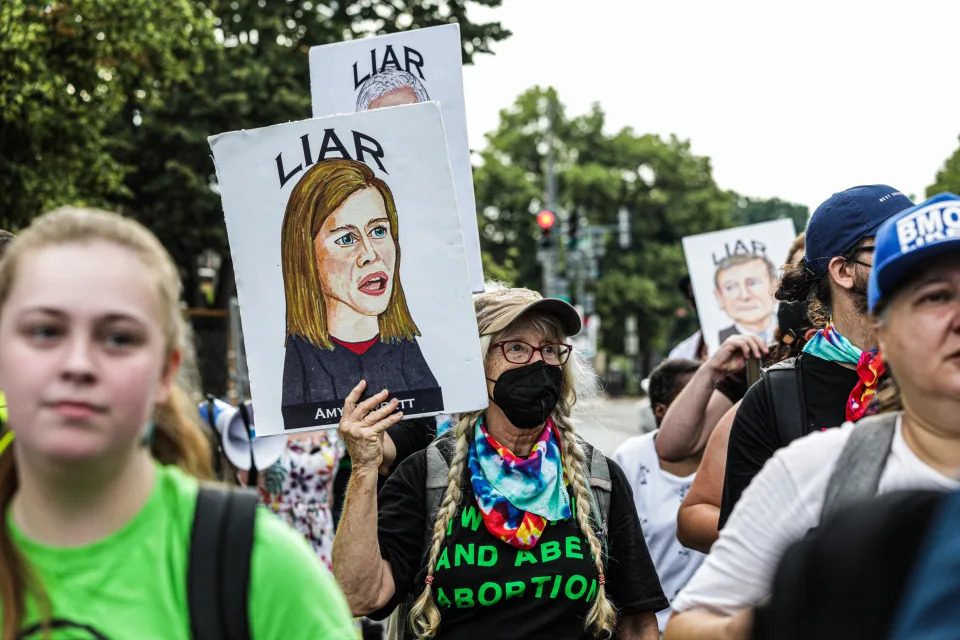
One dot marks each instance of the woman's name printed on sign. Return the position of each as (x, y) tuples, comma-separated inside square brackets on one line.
[(401, 69), (734, 273), (348, 307)]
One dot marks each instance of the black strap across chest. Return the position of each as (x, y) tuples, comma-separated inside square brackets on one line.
[(218, 573)]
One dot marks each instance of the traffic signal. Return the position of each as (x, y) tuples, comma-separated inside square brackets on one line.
[(573, 235), (546, 220)]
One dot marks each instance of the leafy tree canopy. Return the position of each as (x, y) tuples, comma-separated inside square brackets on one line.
[(754, 210), (668, 191), (110, 102), (948, 177)]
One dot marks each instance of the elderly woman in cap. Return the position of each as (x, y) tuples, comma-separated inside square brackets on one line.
[(510, 526), (914, 302)]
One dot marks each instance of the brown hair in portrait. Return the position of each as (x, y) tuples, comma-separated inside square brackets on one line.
[(178, 438), (323, 189), (602, 617)]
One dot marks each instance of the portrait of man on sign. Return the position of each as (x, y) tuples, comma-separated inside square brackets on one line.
[(390, 88), (744, 285)]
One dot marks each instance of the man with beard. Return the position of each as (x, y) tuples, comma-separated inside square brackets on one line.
[(836, 376)]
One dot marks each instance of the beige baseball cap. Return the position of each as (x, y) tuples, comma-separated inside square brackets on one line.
[(497, 309)]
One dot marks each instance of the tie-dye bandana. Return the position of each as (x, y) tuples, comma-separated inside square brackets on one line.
[(517, 496), (829, 344)]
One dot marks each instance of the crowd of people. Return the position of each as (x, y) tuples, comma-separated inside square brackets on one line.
[(752, 511)]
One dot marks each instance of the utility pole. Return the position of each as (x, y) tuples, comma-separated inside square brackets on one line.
[(548, 254)]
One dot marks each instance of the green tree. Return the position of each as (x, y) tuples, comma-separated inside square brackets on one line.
[(668, 191), (754, 210), (110, 102), (948, 177), (67, 76)]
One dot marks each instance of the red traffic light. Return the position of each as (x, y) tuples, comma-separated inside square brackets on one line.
[(545, 219)]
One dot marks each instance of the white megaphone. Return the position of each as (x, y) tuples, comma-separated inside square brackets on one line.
[(242, 448)]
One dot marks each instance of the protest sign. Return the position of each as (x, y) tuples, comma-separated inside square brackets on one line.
[(405, 68), (318, 214), (734, 273)]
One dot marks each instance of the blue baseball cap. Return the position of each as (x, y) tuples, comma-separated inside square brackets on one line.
[(845, 219), (909, 239)]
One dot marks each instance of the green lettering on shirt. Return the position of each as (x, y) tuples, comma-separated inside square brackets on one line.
[(515, 589), (464, 598), (443, 562), (449, 526), (556, 586), (549, 550), (573, 507), (570, 582), (487, 556), (573, 548), (464, 552), (486, 586), (442, 598), (524, 556), (471, 517), (593, 591), (540, 581)]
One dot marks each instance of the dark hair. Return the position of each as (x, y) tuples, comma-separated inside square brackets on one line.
[(742, 258), (663, 379), (799, 284)]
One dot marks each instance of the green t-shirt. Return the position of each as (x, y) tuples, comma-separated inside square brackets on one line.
[(133, 584)]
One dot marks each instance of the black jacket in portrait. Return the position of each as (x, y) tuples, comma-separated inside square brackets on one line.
[(726, 333), (316, 380)]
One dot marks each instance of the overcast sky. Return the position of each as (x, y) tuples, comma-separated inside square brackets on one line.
[(795, 100)]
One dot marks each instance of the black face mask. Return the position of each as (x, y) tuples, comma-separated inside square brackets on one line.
[(528, 394)]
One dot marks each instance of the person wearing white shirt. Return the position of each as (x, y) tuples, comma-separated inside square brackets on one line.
[(659, 486), (914, 300)]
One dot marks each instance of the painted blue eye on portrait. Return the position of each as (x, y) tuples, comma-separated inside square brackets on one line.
[(347, 240)]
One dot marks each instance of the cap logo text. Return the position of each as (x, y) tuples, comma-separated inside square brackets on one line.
[(928, 225)]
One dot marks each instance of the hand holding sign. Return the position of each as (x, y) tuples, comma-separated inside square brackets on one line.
[(734, 352), (362, 425)]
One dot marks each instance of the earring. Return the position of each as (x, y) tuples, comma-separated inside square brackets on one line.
[(148, 433)]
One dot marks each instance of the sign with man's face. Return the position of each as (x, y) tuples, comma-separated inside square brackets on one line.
[(350, 266), (734, 274), (405, 68)]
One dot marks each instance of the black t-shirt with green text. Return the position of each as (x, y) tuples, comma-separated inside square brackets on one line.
[(486, 588)]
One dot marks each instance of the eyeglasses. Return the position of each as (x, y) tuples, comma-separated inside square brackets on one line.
[(857, 251), (518, 352)]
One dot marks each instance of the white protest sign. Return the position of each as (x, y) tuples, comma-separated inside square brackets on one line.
[(734, 273), (318, 214), (405, 68)]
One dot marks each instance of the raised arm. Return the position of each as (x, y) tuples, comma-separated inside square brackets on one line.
[(700, 510), (365, 577), (690, 420)]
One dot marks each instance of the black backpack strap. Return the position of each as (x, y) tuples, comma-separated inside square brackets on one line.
[(218, 573), (784, 386), (856, 475)]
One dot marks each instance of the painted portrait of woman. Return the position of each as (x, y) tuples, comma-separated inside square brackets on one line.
[(347, 316)]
